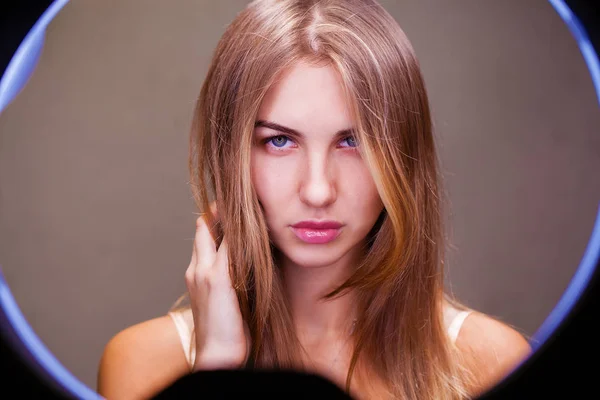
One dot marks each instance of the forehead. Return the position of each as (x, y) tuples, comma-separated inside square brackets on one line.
[(309, 98)]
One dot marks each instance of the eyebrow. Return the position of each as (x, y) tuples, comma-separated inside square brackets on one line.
[(284, 129)]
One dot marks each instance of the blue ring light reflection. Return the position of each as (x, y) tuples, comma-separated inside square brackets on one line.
[(28, 343)]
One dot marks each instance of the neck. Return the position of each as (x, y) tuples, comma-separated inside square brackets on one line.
[(314, 317)]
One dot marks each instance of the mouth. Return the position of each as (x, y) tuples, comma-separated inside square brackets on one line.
[(317, 232)]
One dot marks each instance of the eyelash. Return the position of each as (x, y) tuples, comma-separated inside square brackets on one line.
[(266, 141)]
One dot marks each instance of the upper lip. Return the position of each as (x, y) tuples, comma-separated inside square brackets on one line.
[(313, 224)]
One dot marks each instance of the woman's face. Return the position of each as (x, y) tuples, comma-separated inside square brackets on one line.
[(306, 167)]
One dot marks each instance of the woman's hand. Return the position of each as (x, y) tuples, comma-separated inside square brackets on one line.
[(222, 337)]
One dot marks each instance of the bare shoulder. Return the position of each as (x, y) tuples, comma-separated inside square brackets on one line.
[(141, 360), (491, 349)]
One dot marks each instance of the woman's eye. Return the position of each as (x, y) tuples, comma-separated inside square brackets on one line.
[(351, 140), (278, 141)]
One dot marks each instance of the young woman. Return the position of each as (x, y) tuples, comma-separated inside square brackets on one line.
[(323, 250)]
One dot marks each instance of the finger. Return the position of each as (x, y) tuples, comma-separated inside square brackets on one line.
[(194, 260), (190, 272), (204, 244), (221, 265)]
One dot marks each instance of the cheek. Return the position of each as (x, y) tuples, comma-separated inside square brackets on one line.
[(365, 199), (272, 182)]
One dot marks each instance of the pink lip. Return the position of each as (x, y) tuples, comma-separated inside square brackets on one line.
[(325, 224), (317, 232)]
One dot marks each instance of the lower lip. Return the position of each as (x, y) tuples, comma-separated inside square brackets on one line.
[(316, 236)]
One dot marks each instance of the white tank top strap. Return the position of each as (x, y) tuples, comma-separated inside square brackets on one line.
[(185, 334), (456, 324)]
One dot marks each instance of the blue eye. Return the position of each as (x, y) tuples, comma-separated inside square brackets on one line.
[(351, 140), (278, 141)]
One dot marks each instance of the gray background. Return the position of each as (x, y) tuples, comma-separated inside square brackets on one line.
[(96, 217)]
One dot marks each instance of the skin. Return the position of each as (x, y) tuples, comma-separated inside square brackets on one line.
[(317, 175)]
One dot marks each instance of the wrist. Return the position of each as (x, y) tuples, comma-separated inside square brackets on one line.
[(215, 359)]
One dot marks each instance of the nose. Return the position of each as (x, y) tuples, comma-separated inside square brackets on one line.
[(317, 188)]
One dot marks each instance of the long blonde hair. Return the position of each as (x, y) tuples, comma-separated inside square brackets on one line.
[(400, 334)]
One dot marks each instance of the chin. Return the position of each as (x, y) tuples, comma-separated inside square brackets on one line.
[(307, 255), (312, 262)]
